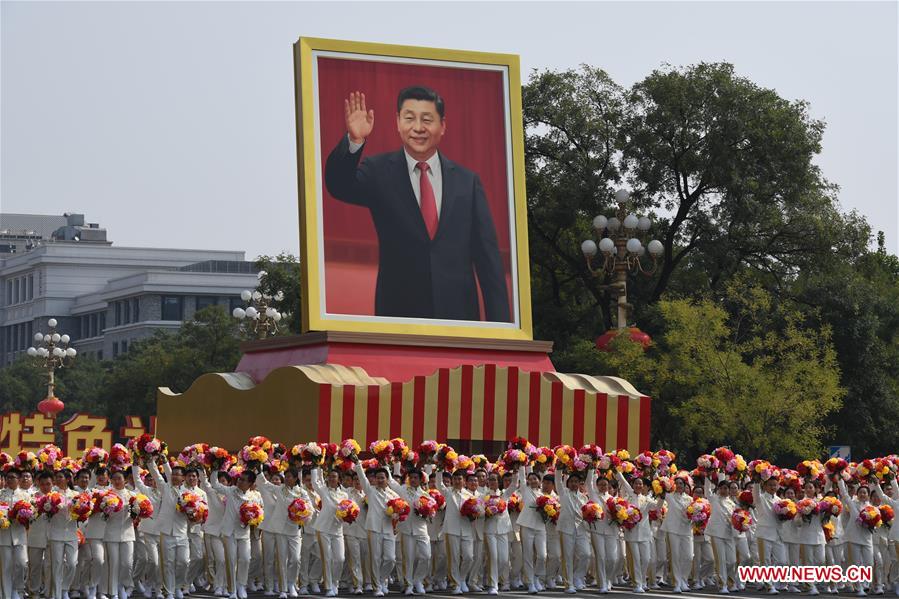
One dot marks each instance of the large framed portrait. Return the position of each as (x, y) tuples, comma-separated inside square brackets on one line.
[(412, 199)]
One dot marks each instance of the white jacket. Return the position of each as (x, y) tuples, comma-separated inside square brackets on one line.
[(571, 518), (327, 521), (719, 525), (454, 523), (119, 527), (767, 522), (169, 521), (16, 534), (643, 530), (376, 520)]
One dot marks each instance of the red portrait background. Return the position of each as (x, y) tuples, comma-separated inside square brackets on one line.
[(476, 138)]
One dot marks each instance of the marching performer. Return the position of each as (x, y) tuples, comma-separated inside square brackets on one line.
[(38, 552), (329, 529), (196, 547), (861, 540), (496, 533), (171, 524), (679, 535), (553, 540), (63, 539), (722, 533), (604, 538), (572, 530), (235, 535), (212, 536), (457, 532), (639, 539), (413, 533), (310, 556), (382, 537), (92, 555), (287, 533), (13, 541), (771, 549), (356, 538), (810, 534), (533, 530), (118, 536)]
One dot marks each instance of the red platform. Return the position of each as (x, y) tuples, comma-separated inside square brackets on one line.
[(396, 358)]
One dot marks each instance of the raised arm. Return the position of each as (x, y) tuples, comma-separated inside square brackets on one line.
[(397, 487), (360, 472), (561, 489), (139, 483), (438, 482), (626, 487)]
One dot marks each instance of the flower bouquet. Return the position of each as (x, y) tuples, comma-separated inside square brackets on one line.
[(741, 520), (119, 458), (807, 508), (446, 458), (494, 505), (108, 504), (829, 507), (251, 514), (426, 506), (140, 507), (623, 514), (349, 450), (24, 512), (869, 518), (95, 457), (745, 499), (663, 484), (347, 511), (886, 515), (549, 508), (253, 457), (464, 463), (49, 504), (592, 513), (427, 450), (438, 498), (382, 450), (81, 507), (472, 508), (147, 446), (514, 458), (50, 457), (193, 506), (398, 510), (785, 509), (299, 511), (27, 460), (835, 466), (4, 515), (514, 503), (656, 515), (698, 512)]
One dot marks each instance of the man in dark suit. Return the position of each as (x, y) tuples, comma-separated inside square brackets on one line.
[(431, 215)]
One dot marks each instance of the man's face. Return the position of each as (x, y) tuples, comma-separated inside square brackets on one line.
[(471, 483), (45, 485), (83, 479), (482, 479), (333, 480), (177, 477), (420, 127), (381, 480), (118, 481), (458, 481), (102, 479), (243, 483), (192, 479), (414, 480), (548, 487), (26, 481), (12, 481)]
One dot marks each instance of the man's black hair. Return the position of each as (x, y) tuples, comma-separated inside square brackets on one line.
[(82, 471), (13, 471), (44, 474), (179, 469), (102, 470), (249, 475), (191, 470), (549, 478), (420, 92)]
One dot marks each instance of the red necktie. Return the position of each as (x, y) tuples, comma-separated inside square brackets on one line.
[(428, 202)]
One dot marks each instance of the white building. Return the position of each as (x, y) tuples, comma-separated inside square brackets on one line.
[(105, 297)]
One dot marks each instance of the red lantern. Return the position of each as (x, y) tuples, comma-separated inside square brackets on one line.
[(604, 341), (50, 407)]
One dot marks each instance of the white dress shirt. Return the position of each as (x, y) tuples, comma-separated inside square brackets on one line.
[(435, 174)]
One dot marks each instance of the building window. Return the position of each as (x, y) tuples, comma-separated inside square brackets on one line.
[(102, 321), (135, 310), (118, 313), (234, 302), (15, 292), (30, 287), (127, 312), (204, 301), (172, 307), (9, 292), (93, 325), (100, 355), (115, 349), (124, 347)]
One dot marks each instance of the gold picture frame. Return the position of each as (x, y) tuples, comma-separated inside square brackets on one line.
[(310, 185)]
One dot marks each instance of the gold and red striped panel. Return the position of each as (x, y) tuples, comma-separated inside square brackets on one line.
[(483, 403)]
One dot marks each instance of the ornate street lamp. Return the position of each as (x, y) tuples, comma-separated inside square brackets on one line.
[(259, 317), (622, 253), (52, 352)]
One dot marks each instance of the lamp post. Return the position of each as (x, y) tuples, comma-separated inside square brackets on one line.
[(622, 251), (52, 352), (259, 318)]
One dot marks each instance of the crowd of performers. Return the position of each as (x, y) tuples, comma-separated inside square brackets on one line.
[(318, 519)]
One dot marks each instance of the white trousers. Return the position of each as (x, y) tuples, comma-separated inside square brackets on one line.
[(288, 556), (437, 574), (515, 559), (174, 556), (38, 569), (237, 558), (151, 572), (382, 547), (416, 558), (724, 553), (497, 552), (120, 561), (575, 556), (533, 553), (680, 556), (197, 557), (331, 550), (553, 557), (14, 562), (215, 551), (606, 555), (459, 558), (63, 558), (269, 567), (357, 560), (310, 559), (639, 556), (862, 555)]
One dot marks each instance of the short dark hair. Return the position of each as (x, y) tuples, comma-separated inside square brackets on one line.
[(549, 478), (44, 475), (102, 470), (249, 475), (471, 475), (191, 470), (420, 92), (178, 469)]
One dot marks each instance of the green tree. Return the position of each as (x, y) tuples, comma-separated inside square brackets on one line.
[(723, 165), (746, 372), (282, 273)]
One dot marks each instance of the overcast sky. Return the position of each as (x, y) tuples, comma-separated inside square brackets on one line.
[(172, 124)]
